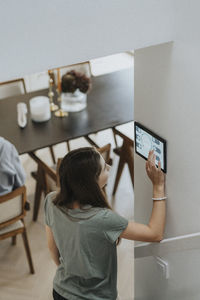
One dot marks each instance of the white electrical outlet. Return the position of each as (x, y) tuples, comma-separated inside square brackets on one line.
[(163, 266)]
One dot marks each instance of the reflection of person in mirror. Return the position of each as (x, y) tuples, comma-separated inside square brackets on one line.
[(12, 174), (83, 231)]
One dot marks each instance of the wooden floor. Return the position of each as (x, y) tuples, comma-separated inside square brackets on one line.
[(16, 282)]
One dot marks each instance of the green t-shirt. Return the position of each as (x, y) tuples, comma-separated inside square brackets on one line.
[(86, 240)]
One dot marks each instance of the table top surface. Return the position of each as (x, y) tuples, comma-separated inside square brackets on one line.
[(110, 103)]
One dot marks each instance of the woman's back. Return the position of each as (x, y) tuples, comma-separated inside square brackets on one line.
[(82, 241), (86, 240)]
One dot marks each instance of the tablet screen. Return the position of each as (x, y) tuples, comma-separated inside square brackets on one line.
[(146, 140)]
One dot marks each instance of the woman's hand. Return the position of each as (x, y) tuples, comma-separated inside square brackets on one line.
[(153, 232), (155, 174)]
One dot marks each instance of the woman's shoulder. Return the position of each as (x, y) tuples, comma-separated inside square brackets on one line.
[(107, 212), (49, 198), (109, 216)]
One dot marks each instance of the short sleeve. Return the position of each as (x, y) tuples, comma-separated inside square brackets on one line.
[(48, 208), (113, 225)]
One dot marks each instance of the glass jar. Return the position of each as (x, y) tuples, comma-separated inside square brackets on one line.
[(73, 102)]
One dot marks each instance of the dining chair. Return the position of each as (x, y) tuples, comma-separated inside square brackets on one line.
[(125, 153), (47, 178), (56, 73), (12, 212), (12, 88)]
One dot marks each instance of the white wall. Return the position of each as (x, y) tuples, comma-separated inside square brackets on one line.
[(37, 35), (183, 283), (167, 101), (167, 93)]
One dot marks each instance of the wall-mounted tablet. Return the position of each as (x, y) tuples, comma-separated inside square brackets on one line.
[(146, 140)]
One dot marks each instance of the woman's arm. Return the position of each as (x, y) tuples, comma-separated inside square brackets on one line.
[(153, 232), (52, 246)]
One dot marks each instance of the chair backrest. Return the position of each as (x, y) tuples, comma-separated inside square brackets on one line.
[(12, 206), (12, 88), (57, 172), (111, 63), (56, 74)]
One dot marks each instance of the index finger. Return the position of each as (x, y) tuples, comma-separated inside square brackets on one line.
[(151, 153)]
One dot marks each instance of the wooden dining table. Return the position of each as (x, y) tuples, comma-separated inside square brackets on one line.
[(110, 103)]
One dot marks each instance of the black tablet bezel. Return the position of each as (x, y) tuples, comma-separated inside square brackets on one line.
[(155, 136)]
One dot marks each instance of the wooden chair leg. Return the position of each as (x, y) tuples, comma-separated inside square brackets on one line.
[(68, 146), (28, 252), (115, 139), (91, 142), (38, 193), (130, 162), (119, 173), (126, 156), (52, 154), (14, 240), (37, 201)]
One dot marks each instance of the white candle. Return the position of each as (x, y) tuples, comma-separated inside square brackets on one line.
[(40, 109)]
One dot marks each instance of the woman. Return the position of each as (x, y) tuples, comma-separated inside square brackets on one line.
[(83, 231)]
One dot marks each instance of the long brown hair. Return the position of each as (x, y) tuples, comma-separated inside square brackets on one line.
[(79, 172)]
